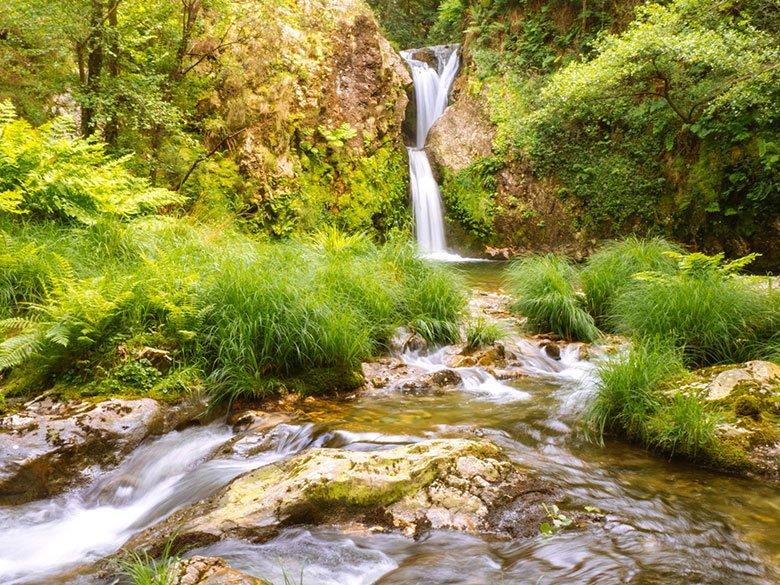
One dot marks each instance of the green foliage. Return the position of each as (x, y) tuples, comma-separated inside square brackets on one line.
[(627, 394), (141, 569), (687, 80), (356, 194), (683, 427), (557, 520), (404, 22), (711, 316), (48, 172), (469, 196), (481, 333), (140, 374), (544, 291), (610, 269)]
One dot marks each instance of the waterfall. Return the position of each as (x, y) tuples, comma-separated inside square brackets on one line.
[(431, 90)]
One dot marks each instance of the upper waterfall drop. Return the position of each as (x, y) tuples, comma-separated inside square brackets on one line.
[(431, 91)]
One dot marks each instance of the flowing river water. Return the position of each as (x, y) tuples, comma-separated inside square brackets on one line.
[(666, 522)]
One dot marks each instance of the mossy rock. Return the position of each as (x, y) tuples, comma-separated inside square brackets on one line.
[(441, 484)]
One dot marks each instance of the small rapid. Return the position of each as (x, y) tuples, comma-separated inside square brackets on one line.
[(431, 89), (51, 536)]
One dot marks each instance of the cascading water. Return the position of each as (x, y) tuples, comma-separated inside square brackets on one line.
[(431, 90)]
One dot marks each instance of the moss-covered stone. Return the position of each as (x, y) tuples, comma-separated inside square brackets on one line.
[(447, 483)]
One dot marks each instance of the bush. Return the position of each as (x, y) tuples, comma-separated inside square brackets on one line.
[(683, 427), (480, 333), (703, 309), (544, 289), (612, 267), (627, 394)]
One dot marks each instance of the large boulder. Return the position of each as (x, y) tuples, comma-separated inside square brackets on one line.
[(461, 136), (314, 81), (756, 375), (49, 446), (442, 484)]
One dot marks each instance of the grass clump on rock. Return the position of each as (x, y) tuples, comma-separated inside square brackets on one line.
[(611, 269), (702, 308), (545, 293), (632, 401)]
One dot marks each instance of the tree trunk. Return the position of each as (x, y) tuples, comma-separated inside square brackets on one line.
[(95, 57), (111, 132)]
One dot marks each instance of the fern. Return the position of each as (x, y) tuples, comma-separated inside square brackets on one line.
[(50, 172)]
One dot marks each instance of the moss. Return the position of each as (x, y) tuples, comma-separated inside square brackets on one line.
[(748, 406)]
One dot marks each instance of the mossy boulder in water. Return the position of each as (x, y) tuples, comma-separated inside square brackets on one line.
[(456, 484)]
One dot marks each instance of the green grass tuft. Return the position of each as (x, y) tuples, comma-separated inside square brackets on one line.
[(481, 333), (545, 293), (612, 267)]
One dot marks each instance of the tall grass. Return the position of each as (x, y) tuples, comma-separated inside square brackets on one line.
[(682, 427), (249, 314), (627, 392), (612, 268), (545, 293), (712, 318), (481, 333), (630, 400)]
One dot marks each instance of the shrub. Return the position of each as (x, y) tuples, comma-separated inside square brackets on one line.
[(544, 289), (247, 316), (480, 333), (703, 309), (612, 267), (627, 393)]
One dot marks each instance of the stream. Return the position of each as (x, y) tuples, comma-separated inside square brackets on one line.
[(666, 522)]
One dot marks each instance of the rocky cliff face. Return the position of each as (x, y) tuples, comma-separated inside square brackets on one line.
[(315, 92)]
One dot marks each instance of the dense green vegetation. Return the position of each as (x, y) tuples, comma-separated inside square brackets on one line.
[(82, 303), (546, 295), (631, 401), (95, 286), (239, 118)]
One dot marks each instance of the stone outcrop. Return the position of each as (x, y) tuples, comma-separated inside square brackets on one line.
[(47, 447), (461, 136), (307, 70), (442, 484), (210, 571), (745, 398)]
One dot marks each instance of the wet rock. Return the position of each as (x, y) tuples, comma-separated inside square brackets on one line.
[(461, 136), (762, 374), (405, 340), (47, 447), (444, 378), (210, 571), (551, 349), (443, 484)]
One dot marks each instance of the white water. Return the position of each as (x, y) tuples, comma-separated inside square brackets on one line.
[(431, 90), (45, 538)]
